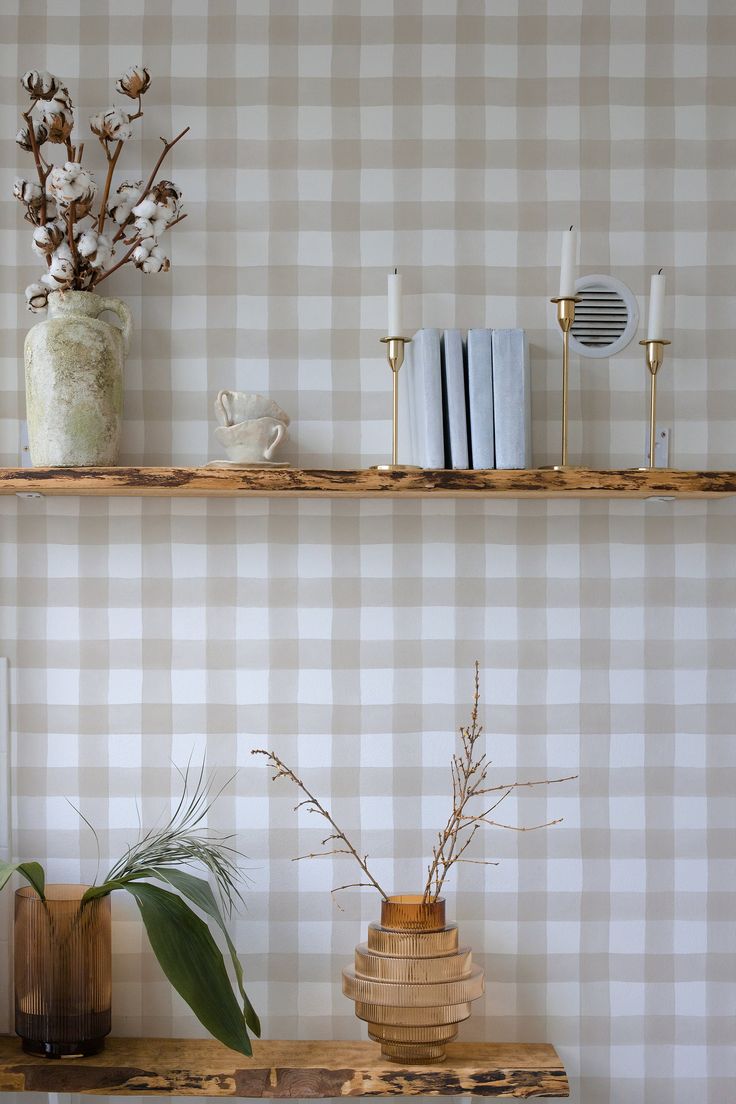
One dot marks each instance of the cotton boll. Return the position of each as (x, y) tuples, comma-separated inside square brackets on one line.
[(36, 297), (23, 137), (87, 244), (40, 84), (111, 125), (47, 238), (134, 82), (149, 257), (142, 250), (71, 183), (121, 205), (59, 121), (28, 192), (146, 209), (61, 270), (95, 248)]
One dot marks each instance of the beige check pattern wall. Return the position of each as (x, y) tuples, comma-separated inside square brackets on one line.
[(331, 140)]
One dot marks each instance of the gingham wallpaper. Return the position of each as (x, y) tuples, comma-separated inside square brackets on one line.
[(331, 140)]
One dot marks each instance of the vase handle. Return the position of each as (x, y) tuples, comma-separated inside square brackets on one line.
[(122, 310)]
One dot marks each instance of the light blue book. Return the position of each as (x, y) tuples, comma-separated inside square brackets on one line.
[(453, 400), (480, 399), (512, 406), (424, 380)]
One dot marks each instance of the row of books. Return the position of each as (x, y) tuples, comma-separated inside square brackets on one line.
[(466, 402)]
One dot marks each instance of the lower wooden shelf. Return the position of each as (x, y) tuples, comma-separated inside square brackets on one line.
[(366, 483), (285, 1070)]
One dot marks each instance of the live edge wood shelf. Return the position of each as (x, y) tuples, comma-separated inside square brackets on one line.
[(285, 1070), (366, 483)]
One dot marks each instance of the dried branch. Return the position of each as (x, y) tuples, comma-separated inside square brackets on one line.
[(314, 805), (42, 174), (111, 163), (70, 234), (516, 827), (518, 785), (468, 773), (322, 854), (469, 769)]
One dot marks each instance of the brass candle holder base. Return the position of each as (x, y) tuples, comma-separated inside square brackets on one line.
[(396, 467)]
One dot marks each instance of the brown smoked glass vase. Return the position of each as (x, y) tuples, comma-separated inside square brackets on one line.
[(412, 983), (63, 971)]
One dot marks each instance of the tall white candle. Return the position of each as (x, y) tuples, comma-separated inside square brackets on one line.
[(655, 329), (568, 263), (395, 318)]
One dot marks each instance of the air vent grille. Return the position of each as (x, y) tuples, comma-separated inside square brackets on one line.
[(606, 316), (600, 317)]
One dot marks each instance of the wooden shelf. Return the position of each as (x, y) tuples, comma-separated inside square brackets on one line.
[(366, 483), (284, 1070)]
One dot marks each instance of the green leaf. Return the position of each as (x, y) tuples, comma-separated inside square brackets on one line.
[(31, 871), (199, 892), (192, 962), (106, 887)]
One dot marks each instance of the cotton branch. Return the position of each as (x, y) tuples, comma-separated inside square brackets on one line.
[(42, 174), (109, 271), (168, 146), (111, 163), (311, 803)]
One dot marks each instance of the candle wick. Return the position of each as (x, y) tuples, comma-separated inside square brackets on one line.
[(660, 272), (571, 227), (396, 271)]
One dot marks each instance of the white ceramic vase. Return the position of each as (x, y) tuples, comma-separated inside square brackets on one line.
[(74, 381)]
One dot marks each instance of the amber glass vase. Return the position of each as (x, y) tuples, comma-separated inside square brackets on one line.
[(63, 971), (412, 982)]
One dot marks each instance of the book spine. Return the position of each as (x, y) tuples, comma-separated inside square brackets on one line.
[(480, 399), (511, 399), (428, 399), (454, 400)]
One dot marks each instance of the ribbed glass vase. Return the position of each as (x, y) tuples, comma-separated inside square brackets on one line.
[(63, 971), (412, 983)]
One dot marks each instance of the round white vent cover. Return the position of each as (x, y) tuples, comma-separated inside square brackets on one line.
[(606, 318)]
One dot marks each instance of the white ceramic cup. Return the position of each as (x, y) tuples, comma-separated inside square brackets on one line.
[(232, 407), (253, 441)]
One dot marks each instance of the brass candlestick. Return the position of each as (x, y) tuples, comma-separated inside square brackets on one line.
[(654, 358), (565, 319), (395, 357)]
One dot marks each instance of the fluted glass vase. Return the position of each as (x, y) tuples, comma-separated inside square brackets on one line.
[(412, 982), (63, 971)]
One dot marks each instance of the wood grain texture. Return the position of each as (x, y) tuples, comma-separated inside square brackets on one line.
[(366, 483), (285, 1070)]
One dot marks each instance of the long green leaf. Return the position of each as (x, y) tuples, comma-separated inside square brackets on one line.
[(104, 888), (192, 962), (31, 871), (199, 892)]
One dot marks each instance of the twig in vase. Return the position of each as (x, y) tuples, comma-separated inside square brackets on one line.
[(468, 772), (313, 804)]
